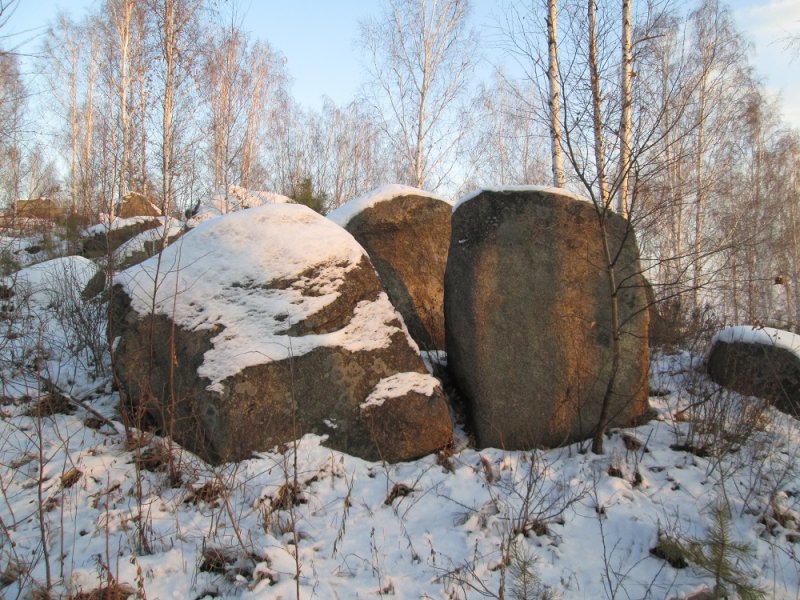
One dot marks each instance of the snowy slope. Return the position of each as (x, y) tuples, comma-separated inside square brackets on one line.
[(434, 528)]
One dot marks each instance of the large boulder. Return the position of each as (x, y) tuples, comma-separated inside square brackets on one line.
[(406, 233), (758, 361), (529, 321), (267, 324)]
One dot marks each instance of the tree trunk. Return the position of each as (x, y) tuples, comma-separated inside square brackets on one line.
[(625, 122), (699, 216), (419, 150), (73, 122), (167, 106), (87, 175), (616, 350), (554, 98), (597, 113), (602, 206), (123, 23)]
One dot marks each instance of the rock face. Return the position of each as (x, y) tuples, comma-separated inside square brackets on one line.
[(406, 233), (281, 328), (100, 240), (758, 362), (528, 318)]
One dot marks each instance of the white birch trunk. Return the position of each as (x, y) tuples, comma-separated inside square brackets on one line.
[(554, 100), (625, 124)]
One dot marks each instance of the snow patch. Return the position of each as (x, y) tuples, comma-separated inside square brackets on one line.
[(398, 385), (345, 213), (45, 283)]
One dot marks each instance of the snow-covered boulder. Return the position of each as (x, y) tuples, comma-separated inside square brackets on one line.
[(279, 327), (406, 232), (104, 238), (148, 243), (758, 361), (528, 317)]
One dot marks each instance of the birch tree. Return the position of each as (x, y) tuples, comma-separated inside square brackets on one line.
[(177, 26), (241, 80), (64, 57), (421, 56), (554, 105), (70, 57), (508, 145), (625, 120), (121, 12), (719, 66), (12, 103), (350, 156)]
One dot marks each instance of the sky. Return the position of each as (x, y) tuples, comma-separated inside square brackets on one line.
[(318, 39)]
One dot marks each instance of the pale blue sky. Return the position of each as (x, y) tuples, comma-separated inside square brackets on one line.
[(317, 37)]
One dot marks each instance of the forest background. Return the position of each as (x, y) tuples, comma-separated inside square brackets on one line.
[(654, 108)]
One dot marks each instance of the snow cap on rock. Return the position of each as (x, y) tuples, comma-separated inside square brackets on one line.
[(342, 215)]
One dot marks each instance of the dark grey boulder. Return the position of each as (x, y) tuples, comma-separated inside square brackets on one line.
[(268, 324), (528, 318), (406, 233), (759, 362)]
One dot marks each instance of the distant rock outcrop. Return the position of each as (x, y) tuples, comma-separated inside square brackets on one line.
[(528, 318), (271, 323), (135, 204), (761, 362), (103, 239), (406, 233)]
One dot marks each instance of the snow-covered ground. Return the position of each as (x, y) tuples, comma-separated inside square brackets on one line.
[(458, 526)]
